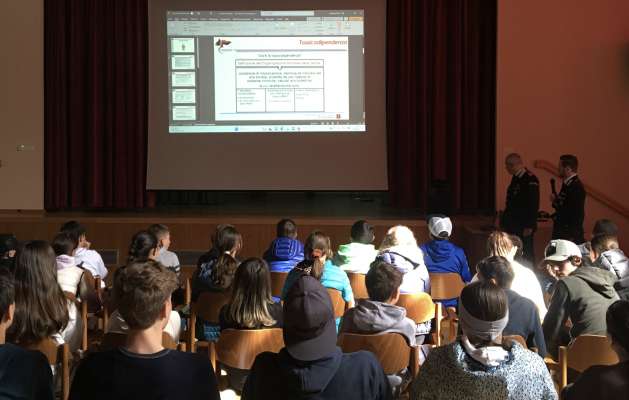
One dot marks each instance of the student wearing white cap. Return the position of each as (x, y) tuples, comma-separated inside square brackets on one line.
[(441, 255), (581, 293)]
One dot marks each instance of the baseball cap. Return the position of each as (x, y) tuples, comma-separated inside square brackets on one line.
[(438, 225), (309, 326), (561, 250)]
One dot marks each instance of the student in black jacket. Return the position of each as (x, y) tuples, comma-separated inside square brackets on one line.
[(523, 315), (311, 366), (569, 204)]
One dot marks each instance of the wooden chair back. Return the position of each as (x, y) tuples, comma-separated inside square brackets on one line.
[(419, 306), (584, 352), (58, 355), (357, 282), (445, 286), (337, 302), (515, 338), (277, 283), (391, 349), (207, 307), (238, 348)]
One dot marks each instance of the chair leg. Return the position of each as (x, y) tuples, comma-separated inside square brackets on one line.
[(563, 367)]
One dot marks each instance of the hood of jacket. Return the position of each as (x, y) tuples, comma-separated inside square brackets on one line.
[(64, 261), (308, 377), (405, 258), (439, 250), (284, 249), (615, 261), (599, 280), (375, 316), (356, 251)]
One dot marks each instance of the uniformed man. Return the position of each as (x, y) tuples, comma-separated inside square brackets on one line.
[(569, 204), (520, 214)]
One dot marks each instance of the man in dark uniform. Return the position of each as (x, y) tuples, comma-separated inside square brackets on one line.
[(520, 214), (569, 204)]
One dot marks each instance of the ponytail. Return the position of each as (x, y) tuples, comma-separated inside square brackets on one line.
[(222, 274)]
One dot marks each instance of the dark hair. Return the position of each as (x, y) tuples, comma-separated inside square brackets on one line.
[(8, 242), (316, 247), (140, 290), (287, 228), (618, 323), (74, 228), (485, 300), (602, 243), (569, 161), (64, 243), (159, 230), (41, 308), (362, 232), (605, 227), (515, 239), (222, 273), (141, 246), (251, 295), (7, 292), (382, 280), (496, 268), (228, 239)]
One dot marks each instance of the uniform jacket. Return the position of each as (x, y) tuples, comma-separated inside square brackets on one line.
[(522, 203)]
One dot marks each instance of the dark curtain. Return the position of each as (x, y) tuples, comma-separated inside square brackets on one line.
[(441, 84), (95, 103), (441, 78)]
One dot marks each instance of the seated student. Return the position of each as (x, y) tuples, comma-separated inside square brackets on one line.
[(318, 264), (88, 259), (442, 256), (607, 382), (399, 248), (144, 246), (517, 242), (478, 365), (523, 315), (581, 293), (251, 307), (23, 374), (601, 227), (212, 275), (166, 257), (285, 251), (606, 254), (8, 247), (379, 313), (41, 308), (310, 365), (358, 255), (525, 283), (143, 369)]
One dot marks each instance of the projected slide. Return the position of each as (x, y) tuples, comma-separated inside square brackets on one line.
[(266, 71)]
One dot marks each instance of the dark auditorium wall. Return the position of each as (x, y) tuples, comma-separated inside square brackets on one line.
[(563, 87), (22, 106)]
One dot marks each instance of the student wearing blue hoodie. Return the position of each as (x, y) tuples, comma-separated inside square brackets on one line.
[(442, 256), (285, 251)]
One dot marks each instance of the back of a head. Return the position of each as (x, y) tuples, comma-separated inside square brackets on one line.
[(222, 274), (251, 295), (517, 242), (485, 300), (496, 269), (40, 306), (228, 240), (159, 230), (618, 323), (439, 226), (64, 243), (287, 228), (398, 235), (499, 244), (8, 242), (603, 243), (605, 227), (362, 232), (317, 249), (74, 228), (382, 281), (7, 292), (140, 290), (142, 244), (569, 161)]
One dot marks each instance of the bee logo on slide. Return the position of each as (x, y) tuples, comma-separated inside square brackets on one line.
[(220, 43)]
